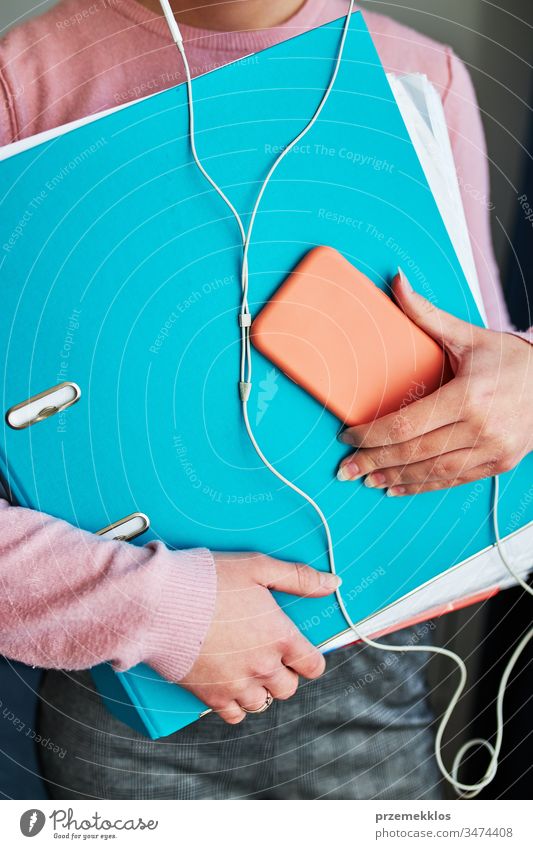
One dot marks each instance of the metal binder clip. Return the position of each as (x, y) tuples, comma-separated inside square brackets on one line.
[(42, 406), (127, 528)]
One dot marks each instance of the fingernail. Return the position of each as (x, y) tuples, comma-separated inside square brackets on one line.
[(405, 281), (376, 479), (396, 490), (330, 581), (348, 472), (345, 437)]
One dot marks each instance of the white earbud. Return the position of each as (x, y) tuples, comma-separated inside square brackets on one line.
[(172, 22)]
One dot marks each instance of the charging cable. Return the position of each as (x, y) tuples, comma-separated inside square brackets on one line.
[(245, 385)]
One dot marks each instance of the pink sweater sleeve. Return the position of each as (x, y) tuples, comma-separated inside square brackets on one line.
[(471, 160), (71, 600)]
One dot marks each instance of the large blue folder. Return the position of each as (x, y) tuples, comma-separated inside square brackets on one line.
[(120, 271)]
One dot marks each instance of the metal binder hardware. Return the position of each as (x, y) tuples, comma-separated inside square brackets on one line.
[(42, 406), (127, 528)]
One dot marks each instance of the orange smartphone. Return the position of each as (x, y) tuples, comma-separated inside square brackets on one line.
[(343, 340)]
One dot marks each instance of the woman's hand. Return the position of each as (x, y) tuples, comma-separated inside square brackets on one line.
[(251, 645), (477, 425)]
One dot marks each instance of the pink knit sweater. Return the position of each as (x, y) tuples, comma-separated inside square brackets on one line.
[(67, 598)]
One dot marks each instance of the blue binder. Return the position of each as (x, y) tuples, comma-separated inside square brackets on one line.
[(120, 272)]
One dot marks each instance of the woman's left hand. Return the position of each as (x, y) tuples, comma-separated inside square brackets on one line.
[(477, 425)]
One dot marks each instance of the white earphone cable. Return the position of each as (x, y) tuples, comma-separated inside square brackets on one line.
[(245, 382)]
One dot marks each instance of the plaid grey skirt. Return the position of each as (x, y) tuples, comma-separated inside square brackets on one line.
[(362, 731)]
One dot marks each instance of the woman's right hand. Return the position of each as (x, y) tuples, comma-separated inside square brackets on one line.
[(251, 645)]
